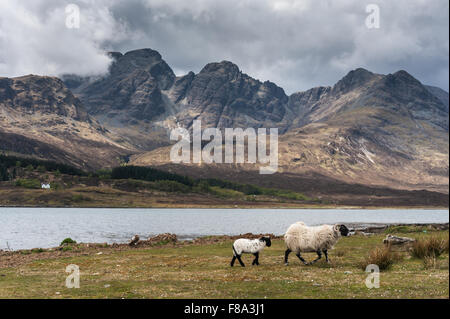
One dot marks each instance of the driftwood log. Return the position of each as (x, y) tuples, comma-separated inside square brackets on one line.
[(167, 238), (398, 243)]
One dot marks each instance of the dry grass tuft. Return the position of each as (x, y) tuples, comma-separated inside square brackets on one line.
[(431, 262), (383, 257), (431, 247), (445, 245)]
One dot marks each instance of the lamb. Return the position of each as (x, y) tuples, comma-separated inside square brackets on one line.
[(301, 238), (249, 246), (134, 240)]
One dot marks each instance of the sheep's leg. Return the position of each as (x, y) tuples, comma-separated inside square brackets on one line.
[(326, 255), (301, 258), (319, 255), (240, 260), (286, 256), (232, 261), (255, 262)]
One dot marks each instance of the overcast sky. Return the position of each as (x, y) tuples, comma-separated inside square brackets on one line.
[(296, 44)]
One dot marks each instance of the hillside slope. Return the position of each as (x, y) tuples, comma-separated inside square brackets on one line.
[(40, 117)]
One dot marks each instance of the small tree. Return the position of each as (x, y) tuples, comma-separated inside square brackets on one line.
[(67, 241)]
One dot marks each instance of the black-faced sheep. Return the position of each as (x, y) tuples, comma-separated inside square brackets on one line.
[(300, 238), (249, 246)]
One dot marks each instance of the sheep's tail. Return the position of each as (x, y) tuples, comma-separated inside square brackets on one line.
[(235, 252)]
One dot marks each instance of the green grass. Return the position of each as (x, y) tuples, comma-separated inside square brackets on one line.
[(203, 271), (78, 198), (225, 192), (408, 229)]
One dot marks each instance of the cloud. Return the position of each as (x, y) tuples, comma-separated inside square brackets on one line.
[(34, 38), (296, 44)]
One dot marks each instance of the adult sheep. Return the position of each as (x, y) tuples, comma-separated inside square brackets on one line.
[(300, 238), (249, 246)]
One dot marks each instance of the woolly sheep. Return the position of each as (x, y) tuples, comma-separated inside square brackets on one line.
[(249, 246), (300, 238)]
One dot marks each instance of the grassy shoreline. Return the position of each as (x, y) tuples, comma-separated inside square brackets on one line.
[(200, 269), (244, 206), (109, 194)]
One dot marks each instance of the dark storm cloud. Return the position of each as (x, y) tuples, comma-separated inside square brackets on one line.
[(296, 44)]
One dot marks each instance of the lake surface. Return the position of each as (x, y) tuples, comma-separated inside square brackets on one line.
[(25, 228)]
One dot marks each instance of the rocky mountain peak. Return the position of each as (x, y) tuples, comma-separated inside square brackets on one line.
[(352, 80), (404, 87), (401, 78), (146, 53), (224, 67), (275, 90), (132, 90), (143, 60)]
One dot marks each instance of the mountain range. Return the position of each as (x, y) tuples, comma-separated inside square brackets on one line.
[(367, 129)]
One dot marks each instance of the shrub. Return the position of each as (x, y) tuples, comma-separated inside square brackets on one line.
[(429, 247), (28, 183), (67, 241), (383, 257)]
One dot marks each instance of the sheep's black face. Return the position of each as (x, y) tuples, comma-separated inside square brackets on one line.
[(344, 230), (267, 240)]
